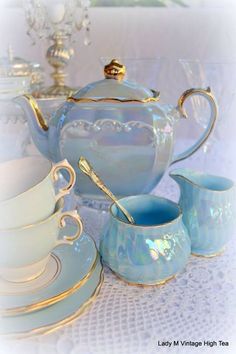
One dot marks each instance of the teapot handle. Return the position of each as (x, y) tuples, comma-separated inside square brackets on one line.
[(214, 112)]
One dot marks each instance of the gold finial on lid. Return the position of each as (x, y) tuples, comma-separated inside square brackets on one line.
[(114, 70)]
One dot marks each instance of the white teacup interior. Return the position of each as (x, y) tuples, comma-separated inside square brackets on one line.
[(17, 176)]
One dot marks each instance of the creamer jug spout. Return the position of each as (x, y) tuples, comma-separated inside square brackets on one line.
[(184, 177)]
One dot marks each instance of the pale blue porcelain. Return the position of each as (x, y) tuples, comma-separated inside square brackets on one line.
[(114, 124), (209, 209), (75, 262), (25, 251), (48, 319), (153, 250)]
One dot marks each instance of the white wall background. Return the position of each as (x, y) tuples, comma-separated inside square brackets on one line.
[(207, 34)]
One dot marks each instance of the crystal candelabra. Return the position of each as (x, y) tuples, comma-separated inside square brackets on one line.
[(57, 21)]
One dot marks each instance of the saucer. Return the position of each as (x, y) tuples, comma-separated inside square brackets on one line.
[(68, 269), (53, 317)]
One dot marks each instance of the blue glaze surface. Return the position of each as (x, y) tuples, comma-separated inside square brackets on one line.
[(114, 136), (154, 249), (209, 209), (48, 318), (80, 256)]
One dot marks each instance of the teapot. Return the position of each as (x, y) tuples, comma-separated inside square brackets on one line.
[(120, 127)]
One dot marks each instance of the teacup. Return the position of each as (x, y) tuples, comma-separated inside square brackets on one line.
[(24, 251), (153, 250), (27, 193)]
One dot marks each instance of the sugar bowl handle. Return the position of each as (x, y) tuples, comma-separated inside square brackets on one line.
[(214, 112), (63, 165)]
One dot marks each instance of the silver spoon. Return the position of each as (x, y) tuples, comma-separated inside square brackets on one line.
[(88, 170)]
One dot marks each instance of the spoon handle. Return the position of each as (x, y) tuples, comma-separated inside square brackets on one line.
[(87, 169)]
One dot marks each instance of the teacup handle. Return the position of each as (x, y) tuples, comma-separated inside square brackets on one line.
[(63, 165), (62, 223)]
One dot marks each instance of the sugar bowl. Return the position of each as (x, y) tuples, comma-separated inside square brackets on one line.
[(152, 250)]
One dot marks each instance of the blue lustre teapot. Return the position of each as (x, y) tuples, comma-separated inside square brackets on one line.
[(120, 127)]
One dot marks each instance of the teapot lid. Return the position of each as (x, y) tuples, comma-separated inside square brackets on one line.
[(114, 88)]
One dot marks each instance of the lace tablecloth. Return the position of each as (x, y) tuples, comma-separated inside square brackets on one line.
[(198, 305)]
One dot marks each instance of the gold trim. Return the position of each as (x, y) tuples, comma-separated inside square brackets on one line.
[(155, 98), (55, 275), (219, 253), (37, 112), (74, 216), (162, 282), (63, 165), (54, 299), (32, 187), (214, 109), (33, 277), (55, 99), (190, 92), (58, 208), (51, 328), (149, 226)]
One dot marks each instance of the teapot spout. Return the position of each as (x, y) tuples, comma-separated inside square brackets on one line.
[(37, 124)]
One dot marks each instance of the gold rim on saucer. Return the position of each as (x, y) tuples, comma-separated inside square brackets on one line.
[(52, 278), (41, 304), (66, 321)]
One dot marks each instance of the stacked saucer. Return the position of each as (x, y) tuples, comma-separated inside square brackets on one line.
[(46, 278), (71, 281)]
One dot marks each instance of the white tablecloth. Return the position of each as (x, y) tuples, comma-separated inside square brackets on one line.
[(199, 304)]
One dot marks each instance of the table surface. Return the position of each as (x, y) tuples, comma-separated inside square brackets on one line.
[(199, 304)]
